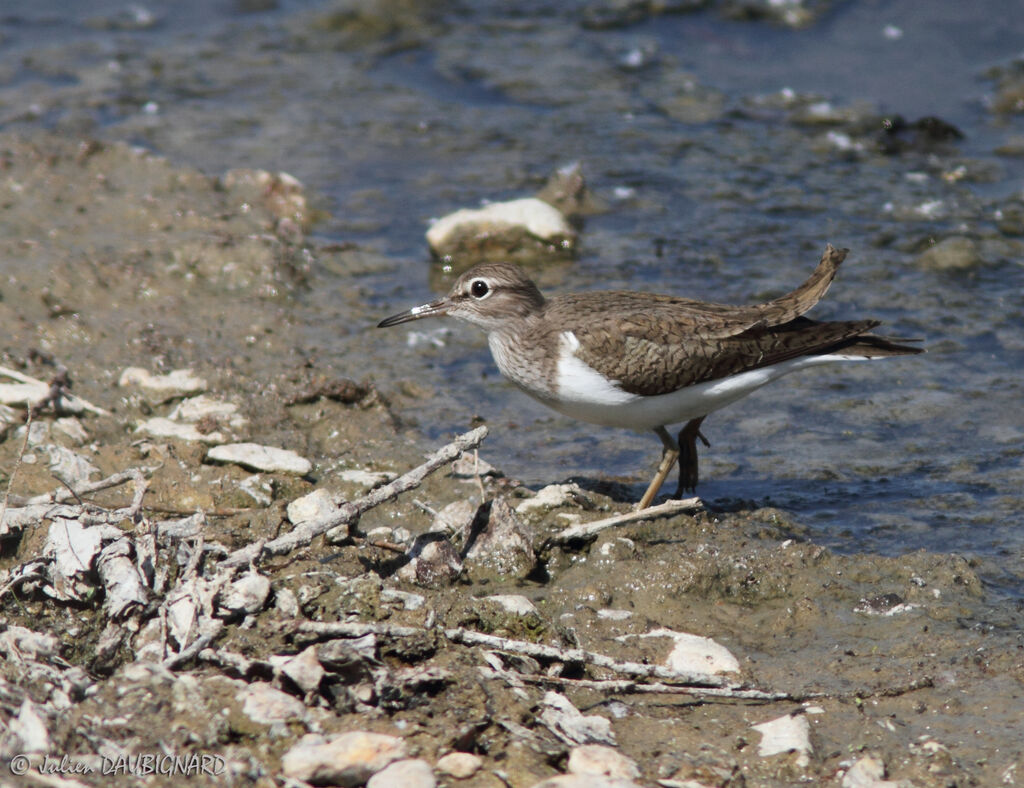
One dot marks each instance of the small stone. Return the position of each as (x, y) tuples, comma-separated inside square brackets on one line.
[(203, 407), (313, 506), (455, 518), (266, 705), (955, 253), (570, 725), (72, 429), (248, 594), (504, 545), (517, 604), (161, 388), (434, 562), (459, 765), (261, 458), (614, 614), (30, 728), (785, 734), (598, 759), (867, 772), (411, 773), (159, 427), (286, 603), (304, 669), (347, 759), (408, 601), (696, 654), (551, 497)]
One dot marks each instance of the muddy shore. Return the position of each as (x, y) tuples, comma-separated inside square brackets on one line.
[(119, 259)]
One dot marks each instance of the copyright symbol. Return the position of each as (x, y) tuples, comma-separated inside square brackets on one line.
[(20, 764)]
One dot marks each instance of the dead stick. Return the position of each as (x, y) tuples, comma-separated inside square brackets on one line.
[(625, 686), (196, 646), (469, 637), (60, 495), (589, 530), (349, 512)]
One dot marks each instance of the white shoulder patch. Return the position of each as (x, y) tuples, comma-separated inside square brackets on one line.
[(576, 381)]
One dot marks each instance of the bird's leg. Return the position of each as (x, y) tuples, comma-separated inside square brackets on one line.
[(688, 475), (668, 459)]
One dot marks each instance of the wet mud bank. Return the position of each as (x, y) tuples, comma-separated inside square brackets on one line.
[(219, 540)]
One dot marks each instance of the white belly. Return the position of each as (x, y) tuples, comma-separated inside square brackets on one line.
[(586, 395)]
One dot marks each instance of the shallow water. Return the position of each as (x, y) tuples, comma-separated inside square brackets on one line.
[(715, 188)]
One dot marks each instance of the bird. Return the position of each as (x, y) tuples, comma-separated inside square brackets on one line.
[(646, 361)]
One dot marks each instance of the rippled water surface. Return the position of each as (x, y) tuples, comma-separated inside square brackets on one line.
[(727, 154)]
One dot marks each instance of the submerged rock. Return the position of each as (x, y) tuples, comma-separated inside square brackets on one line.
[(522, 230), (956, 253)]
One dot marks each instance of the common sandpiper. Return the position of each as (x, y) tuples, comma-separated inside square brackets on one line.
[(645, 361)]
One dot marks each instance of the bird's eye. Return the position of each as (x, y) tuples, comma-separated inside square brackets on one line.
[(479, 288)]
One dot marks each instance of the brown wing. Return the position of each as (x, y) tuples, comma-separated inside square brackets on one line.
[(658, 344), (649, 367)]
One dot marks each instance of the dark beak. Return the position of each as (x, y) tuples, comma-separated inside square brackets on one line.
[(438, 307)]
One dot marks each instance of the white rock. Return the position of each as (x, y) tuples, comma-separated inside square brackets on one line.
[(570, 725), (265, 705), (348, 759), (201, 407), (259, 489), (459, 765), (286, 603), (159, 427), (30, 728), (72, 429), (516, 604), (18, 643), (312, 506), (247, 594), (696, 654), (596, 759), (72, 546), (71, 467), (367, 478), (785, 734), (177, 383), (261, 458), (551, 497), (538, 218), (411, 773), (614, 615), (868, 772), (125, 589), (20, 393), (303, 668), (409, 601)]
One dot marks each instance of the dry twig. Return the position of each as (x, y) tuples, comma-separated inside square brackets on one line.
[(350, 512), (583, 531)]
